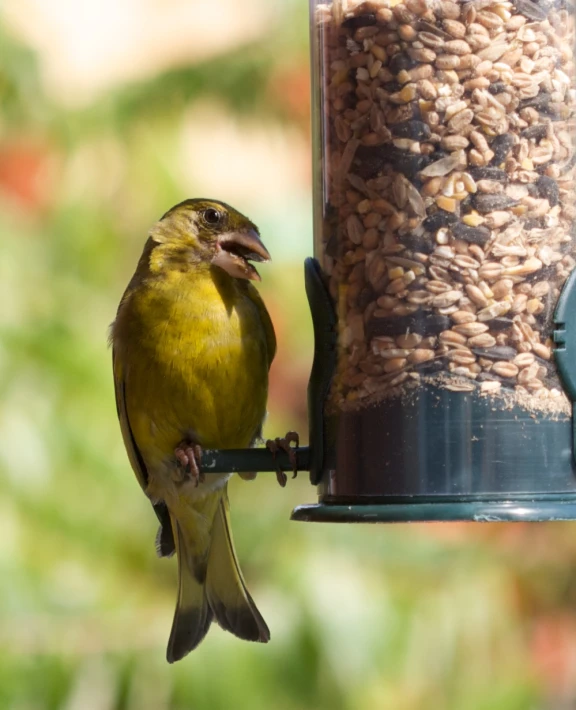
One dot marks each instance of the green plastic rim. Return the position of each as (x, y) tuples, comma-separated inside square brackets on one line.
[(552, 508)]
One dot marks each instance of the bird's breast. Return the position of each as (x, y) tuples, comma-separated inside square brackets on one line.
[(199, 372)]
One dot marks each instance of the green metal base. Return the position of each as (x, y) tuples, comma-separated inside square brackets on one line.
[(546, 508)]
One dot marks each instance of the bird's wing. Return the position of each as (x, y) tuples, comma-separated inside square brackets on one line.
[(269, 333), (134, 455), (254, 295), (165, 538)]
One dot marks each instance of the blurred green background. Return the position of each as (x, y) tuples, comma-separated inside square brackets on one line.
[(110, 112)]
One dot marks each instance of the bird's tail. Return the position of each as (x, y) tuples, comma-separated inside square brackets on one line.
[(228, 598), (193, 615), (211, 587)]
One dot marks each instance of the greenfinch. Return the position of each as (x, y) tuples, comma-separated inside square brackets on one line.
[(192, 345)]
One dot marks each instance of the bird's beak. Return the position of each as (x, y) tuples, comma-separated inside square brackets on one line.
[(235, 250)]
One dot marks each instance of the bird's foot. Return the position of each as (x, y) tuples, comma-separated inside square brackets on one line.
[(188, 456), (283, 444)]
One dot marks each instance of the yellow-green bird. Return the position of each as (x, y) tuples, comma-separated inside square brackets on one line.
[(192, 346)]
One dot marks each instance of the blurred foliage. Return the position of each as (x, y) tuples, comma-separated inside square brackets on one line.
[(21, 94), (363, 618)]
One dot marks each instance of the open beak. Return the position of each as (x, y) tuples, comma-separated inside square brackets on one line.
[(235, 251)]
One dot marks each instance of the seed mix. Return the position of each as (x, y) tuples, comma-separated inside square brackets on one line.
[(448, 176)]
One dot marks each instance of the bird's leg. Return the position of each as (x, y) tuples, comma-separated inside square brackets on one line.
[(188, 456), (283, 444)]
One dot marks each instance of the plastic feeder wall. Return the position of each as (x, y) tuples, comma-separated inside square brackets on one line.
[(441, 291)]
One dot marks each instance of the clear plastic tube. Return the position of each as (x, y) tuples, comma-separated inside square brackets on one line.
[(445, 201)]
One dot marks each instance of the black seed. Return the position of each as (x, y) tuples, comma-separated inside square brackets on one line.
[(547, 5), (488, 173), (489, 203), (430, 324), (532, 190), (532, 10), (332, 246), (407, 163), (552, 111), (416, 243), (439, 219), (417, 130), (498, 352), (570, 164), (350, 101), (456, 275), (401, 61), (421, 322), (501, 145), (466, 205), (540, 102), (393, 325), (391, 86), (537, 131), (425, 26), (431, 366), (497, 87), (543, 363), (360, 21), (500, 324), (417, 182), (370, 160), (365, 297), (548, 189), (438, 154), (551, 381), (418, 283), (487, 377), (541, 170), (473, 235), (546, 273), (352, 75)]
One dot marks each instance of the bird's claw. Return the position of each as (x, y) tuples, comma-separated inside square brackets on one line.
[(283, 444), (188, 456)]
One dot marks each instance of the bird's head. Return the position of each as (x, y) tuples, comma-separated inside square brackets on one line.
[(207, 232)]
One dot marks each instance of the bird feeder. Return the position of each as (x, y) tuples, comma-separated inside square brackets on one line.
[(442, 286)]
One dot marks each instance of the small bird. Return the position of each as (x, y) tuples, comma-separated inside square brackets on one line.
[(192, 345)]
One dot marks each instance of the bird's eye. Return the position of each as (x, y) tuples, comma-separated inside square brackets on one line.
[(212, 216)]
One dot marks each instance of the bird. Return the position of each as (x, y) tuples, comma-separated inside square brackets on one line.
[(192, 344)]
